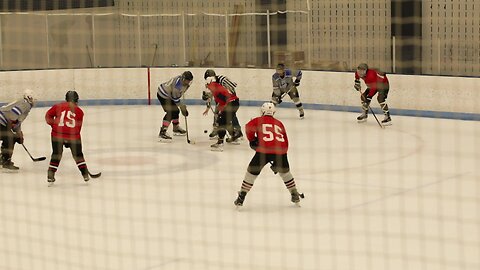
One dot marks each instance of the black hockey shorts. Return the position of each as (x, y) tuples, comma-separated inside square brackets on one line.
[(383, 94), (74, 145), (229, 113), (170, 108), (259, 160), (8, 140)]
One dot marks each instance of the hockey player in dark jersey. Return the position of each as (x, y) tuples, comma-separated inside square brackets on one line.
[(283, 84), (11, 118), (207, 96), (169, 94), (376, 81), (268, 137)]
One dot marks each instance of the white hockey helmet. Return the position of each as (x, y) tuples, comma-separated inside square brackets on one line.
[(268, 108), (28, 95), (209, 80)]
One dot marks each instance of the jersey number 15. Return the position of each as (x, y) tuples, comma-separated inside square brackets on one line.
[(69, 121)]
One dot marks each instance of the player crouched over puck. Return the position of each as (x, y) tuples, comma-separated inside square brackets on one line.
[(268, 137), (66, 119), (11, 119), (227, 104), (169, 94)]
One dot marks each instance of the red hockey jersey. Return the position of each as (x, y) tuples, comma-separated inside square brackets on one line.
[(374, 80), (66, 120), (221, 95), (271, 134)]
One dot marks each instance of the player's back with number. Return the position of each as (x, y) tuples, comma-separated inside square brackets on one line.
[(66, 120), (271, 134)]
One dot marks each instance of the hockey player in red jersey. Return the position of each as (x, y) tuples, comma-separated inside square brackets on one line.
[(207, 96), (268, 137), (66, 119), (376, 82), (227, 105)]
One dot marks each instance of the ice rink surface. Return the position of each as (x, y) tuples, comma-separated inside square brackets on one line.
[(403, 197)]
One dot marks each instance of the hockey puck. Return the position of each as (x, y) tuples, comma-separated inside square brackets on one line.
[(205, 131)]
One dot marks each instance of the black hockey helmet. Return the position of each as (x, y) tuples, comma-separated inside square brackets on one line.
[(71, 96), (187, 75), (280, 66), (209, 73)]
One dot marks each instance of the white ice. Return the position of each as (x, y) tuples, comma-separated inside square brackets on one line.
[(403, 197)]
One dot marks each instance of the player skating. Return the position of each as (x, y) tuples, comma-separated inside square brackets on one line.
[(169, 94), (376, 82), (207, 96), (66, 120), (268, 137), (283, 84), (227, 104), (11, 118)]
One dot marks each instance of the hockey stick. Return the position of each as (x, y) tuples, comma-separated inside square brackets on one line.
[(186, 129), (284, 94), (33, 159), (370, 108), (95, 175), (381, 126)]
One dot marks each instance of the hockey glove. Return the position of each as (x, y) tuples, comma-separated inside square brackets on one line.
[(276, 100), (183, 109), (357, 85), (19, 137), (296, 82), (254, 143), (205, 95)]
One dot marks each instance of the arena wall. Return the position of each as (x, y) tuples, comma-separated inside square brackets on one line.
[(431, 96)]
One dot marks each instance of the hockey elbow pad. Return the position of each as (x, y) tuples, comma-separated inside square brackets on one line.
[(357, 85), (296, 82)]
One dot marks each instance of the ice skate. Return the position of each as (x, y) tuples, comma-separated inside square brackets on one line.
[(387, 121), (86, 177), (218, 146), (296, 197), (362, 117), (50, 178), (163, 135), (302, 113), (8, 165), (236, 138), (178, 131), (240, 199), (213, 135)]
